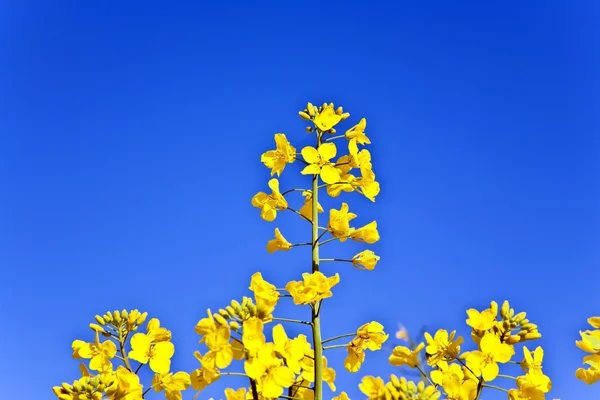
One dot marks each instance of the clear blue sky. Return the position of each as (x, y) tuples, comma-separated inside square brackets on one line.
[(130, 148)]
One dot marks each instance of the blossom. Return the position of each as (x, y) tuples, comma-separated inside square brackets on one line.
[(277, 159), (366, 259), (306, 209), (128, 386), (327, 118), (158, 354), (492, 351), (172, 384), (292, 350), (372, 387), (339, 222), (100, 354), (357, 132), (270, 203), (265, 293), (370, 336), (319, 164), (402, 355), (442, 347), (253, 336), (156, 333), (481, 321), (269, 372), (279, 243), (313, 288), (239, 394), (367, 233)]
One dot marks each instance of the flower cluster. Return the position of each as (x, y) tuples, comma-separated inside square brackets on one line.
[(590, 343), (153, 348), (463, 376)]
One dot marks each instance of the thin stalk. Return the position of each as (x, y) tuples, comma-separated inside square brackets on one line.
[(424, 375), (296, 321), (316, 319), (122, 349), (507, 377), (338, 337), (495, 387), (335, 137), (234, 374), (335, 346), (333, 259)]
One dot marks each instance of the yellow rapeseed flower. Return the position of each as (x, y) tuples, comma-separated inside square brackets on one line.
[(313, 288), (319, 164), (159, 354), (366, 259), (277, 159), (491, 352), (327, 118), (269, 372), (367, 233), (172, 384), (99, 354), (306, 209), (279, 243), (270, 203), (339, 222), (357, 132), (373, 388), (402, 355), (265, 293), (231, 394), (442, 347)]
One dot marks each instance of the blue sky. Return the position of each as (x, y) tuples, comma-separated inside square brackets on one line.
[(130, 148)]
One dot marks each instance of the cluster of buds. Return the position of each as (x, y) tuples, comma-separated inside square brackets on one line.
[(87, 387), (515, 328), (120, 321), (401, 389), (237, 313), (325, 111)]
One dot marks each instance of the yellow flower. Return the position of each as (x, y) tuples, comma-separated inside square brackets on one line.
[(442, 347), (590, 342), (277, 159), (532, 361), (306, 209), (206, 326), (327, 118), (592, 373), (458, 389), (99, 353), (347, 183), (355, 358), (535, 379), (485, 361), (279, 243), (319, 164), (252, 335), (328, 375), (370, 336), (313, 288), (156, 333), (481, 321), (402, 355), (269, 372), (291, 350), (372, 387), (367, 233), (342, 396), (526, 394), (357, 132), (204, 376), (128, 386), (339, 222), (367, 185), (265, 293), (270, 203), (159, 354), (239, 394), (172, 384), (365, 260), (594, 322), (220, 352)]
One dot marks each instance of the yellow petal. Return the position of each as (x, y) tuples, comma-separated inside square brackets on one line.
[(310, 154), (330, 174), (327, 151)]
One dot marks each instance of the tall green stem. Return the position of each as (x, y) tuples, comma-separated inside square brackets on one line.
[(316, 322)]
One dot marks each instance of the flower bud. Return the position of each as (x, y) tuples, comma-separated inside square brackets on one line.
[(345, 116), (514, 339), (519, 317), (220, 320), (97, 328), (108, 317), (532, 335), (99, 320), (230, 311), (124, 314), (311, 109), (309, 129), (223, 313), (504, 309), (142, 318), (117, 316), (234, 325), (304, 115)]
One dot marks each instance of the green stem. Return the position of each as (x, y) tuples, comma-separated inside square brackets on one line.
[(335, 137), (335, 346), (316, 319), (329, 240), (296, 321), (507, 377), (495, 387), (333, 259), (292, 190), (424, 375), (338, 337), (301, 244), (122, 349), (234, 374), (298, 212)]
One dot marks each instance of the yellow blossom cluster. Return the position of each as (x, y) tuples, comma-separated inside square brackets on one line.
[(590, 343), (121, 382), (250, 334), (464, 375)]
